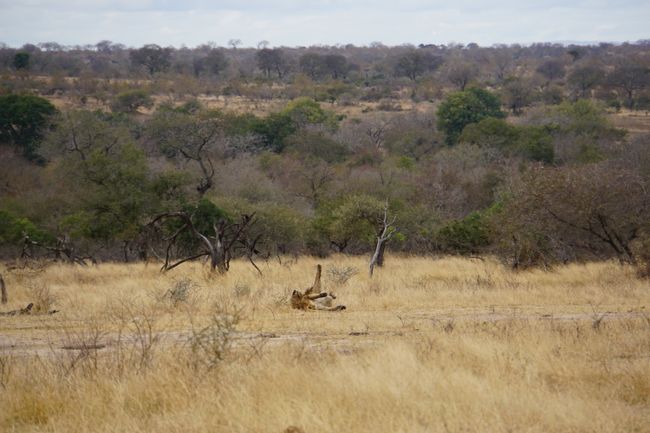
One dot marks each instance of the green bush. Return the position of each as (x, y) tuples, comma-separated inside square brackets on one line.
[(466, 236), (24, 120), (463, 108), (129, 102), (13, 229)]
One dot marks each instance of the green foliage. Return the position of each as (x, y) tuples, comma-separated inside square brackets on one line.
[(205, 215), (281, 229), (21, 61), (298, 114), (111, 190), (274, 129), (583, 117), (314, 144), (534, 143), (349, 221), (168, 189), (13, 229), (306, 111), (24, 119), (466, 236), (490, 132), (128, 102), (463, 108)]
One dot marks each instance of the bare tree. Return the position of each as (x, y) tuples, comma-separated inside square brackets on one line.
[(62, 250), (219, 248), (461, 73), (234, 43), (387, 230), (630, 78)]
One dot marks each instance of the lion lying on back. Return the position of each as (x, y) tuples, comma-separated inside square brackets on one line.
[(313, 298)]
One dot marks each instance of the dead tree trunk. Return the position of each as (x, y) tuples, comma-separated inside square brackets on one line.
[(387, 231), (3, 291)]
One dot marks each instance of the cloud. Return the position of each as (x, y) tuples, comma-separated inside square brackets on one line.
[(306, 22)]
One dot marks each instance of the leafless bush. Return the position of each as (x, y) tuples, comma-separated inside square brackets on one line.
[(210, 344), (136, 338), (42, 298), (80, 349), (341, 275), (180, 292)]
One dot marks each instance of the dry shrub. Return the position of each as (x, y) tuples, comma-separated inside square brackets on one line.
[(210, 344), (341, 275), (43, 299), (180, 292)]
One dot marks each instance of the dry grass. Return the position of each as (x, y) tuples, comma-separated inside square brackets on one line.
[(635, 122), (447, 345)]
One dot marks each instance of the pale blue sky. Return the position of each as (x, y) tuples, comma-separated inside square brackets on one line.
[(308, 22)]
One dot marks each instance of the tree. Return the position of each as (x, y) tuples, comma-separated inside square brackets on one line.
[(24, 119), (534, 143), (352, 222), (591, 210), (517, 94), (461, 73), (298, 114), (336, 65), (106, 176), (194, 227), (112, 192), (630, 78), (415, 63), (213, 63), (312, 64), (552, 69), (585, 78), (129, 101), (81, 132), (193, 137), (462, 108), (152, 57), (271, 61), (502, 61), (21, 61), (386, 231)]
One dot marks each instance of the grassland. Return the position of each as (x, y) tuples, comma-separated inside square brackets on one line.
[(444, 345)]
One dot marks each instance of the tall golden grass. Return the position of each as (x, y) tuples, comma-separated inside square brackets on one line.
[(448, 345)]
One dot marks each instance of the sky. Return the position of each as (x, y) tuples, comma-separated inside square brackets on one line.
[(321, 22)]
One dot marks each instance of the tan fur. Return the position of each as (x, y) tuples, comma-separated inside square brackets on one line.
[(313, 298)]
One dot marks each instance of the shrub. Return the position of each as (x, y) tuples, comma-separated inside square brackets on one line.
[(466, 236), (129, 102), (463, 108)]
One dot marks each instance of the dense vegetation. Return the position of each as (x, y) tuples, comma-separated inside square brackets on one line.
[(506, 150)]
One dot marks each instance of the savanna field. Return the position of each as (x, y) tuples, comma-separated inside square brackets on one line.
[(426, 345)]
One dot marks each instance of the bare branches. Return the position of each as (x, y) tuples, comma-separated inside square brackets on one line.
[(219, 248), (386, 232), (63, 249)]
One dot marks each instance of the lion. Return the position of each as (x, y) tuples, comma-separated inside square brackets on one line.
[(313, 298)]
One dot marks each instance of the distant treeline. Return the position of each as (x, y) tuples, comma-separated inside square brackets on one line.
[(506, 150)]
